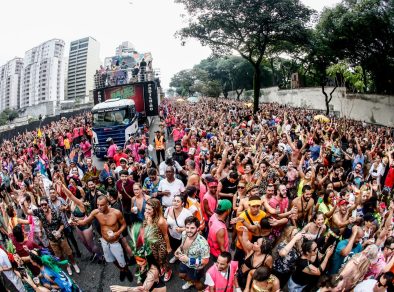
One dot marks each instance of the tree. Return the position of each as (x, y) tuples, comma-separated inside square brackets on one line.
[(362, 32), (182, 82), (8, 115), (249, 27)]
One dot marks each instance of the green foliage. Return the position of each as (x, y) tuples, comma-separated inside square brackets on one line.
[(8, 115), (353, 77), (362, 32)]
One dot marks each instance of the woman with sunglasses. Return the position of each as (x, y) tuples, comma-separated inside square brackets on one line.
[(309, 267)]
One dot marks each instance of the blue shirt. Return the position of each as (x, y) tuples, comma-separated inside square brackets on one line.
[(315, 151), (337, 259)]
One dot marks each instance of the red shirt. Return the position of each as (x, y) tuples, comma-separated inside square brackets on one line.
[(389, 181), (118, 156)]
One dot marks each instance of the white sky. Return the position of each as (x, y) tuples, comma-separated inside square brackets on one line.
[(149, 24)]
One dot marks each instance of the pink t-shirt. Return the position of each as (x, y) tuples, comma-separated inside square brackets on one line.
[(212, 203), (111, 151), (84, 147)]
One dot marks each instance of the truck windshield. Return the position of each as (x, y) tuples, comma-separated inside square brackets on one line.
[(109, 118)]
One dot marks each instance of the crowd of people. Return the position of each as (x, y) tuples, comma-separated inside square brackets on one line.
[(120, 73), (280, 200)]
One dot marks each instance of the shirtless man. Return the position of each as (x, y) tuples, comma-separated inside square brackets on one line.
[(304, 205), (343, 216), (193, 179), (112, 225)]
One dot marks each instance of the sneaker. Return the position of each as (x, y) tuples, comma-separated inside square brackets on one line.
[(173, 260), (122, 276), (187, 285), (76, 268), (167, 275), (129, 276), (69, 271)]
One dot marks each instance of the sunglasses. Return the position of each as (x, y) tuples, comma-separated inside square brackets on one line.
[(241, 187), (43, 204)]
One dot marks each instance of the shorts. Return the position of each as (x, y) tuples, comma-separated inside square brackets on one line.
[(112, 252), (61, 248), (191, 274)]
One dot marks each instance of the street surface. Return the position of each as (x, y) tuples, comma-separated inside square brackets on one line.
[(96, 277)]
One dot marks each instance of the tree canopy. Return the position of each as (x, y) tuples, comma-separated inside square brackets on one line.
[(250, 27), (351, 45)]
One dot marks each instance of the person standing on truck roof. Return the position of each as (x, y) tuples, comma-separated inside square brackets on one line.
[(111, 149), (160, 146)]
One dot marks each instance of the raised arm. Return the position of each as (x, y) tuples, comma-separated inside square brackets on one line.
[(87, 220), (73, 198)]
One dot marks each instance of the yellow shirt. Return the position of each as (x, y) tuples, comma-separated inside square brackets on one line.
[(66, 143), (256, 220)]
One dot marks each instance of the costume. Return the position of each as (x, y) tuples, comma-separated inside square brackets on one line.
[(147, 240)]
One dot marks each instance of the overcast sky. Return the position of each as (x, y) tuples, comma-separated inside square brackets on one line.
[(149, 24)]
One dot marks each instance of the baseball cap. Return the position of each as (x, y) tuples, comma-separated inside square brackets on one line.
[(123, 159), (342, 202), (109, 139), (119, 148), (224, 205)]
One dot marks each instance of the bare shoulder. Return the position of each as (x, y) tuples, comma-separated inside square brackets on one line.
[(95, 212), (115, 212)]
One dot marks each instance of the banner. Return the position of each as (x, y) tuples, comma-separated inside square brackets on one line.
[(151, 100)]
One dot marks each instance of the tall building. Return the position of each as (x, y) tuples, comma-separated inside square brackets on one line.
[(125, 49), (83, 61), (10, 78), (43, 74)]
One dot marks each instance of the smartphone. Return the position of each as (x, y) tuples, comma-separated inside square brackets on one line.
[(22, 271)]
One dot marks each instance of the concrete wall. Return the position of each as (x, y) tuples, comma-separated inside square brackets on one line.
[(363, 107)]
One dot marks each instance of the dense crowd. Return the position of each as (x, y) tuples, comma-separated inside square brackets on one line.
[(282, 200)]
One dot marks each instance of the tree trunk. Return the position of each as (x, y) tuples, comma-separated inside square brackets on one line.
[(364, 78), (225, 94), (256, 87), (273, 71), (326, 99), (239, 93)]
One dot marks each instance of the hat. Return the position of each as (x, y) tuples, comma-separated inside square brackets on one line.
[(213, 184), (109, 139), (77, 146), (192, 151), (224, 205), (342, 202), (123, 159), (119, 148)]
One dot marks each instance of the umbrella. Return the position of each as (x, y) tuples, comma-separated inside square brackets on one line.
[(321, 118)]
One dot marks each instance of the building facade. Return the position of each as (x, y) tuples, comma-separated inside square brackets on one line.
[(83, 61), (10, 78), (43, 73)]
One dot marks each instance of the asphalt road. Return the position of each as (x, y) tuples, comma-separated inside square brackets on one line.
[(99, 277)]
